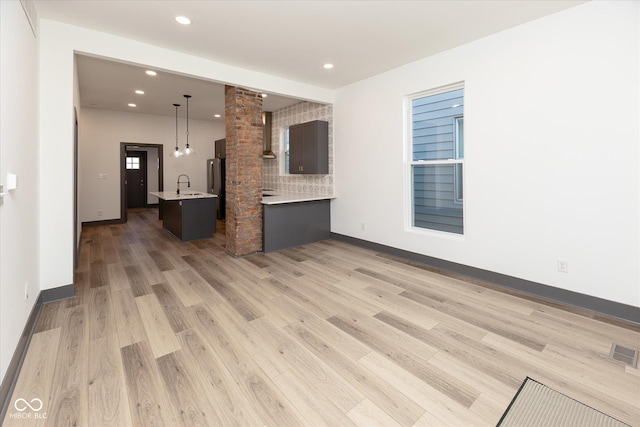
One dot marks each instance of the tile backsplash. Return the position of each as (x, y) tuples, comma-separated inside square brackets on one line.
[(282, 119)]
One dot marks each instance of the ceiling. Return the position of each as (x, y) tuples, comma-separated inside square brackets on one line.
[(289, 39), (112, 85)]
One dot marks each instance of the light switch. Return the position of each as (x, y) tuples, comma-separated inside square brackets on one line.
[(12, 181), (102, 176)]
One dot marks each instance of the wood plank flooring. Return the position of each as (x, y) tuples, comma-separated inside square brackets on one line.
[(165, 333)]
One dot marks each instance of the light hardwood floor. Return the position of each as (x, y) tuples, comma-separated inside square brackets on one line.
[(165, 333)]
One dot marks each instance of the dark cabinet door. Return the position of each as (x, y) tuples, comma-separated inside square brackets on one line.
[(309, 148), (296, 149), (220, 148)]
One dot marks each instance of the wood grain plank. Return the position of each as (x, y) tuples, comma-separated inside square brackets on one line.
[(279, 345), (149, 404), (392, 401), (35, 379), (98, 275), (439, 409), (162, 262), (451, 347), (183, 287), (219, 384), (117, 277), (160, 335), (69, 400), (108, 398), (368, 414), (241, 305), (435, 377), (274, 407), (128, 322), (223, 340), (172, 307), (315, 406), (186, 395), (101, 321), (137, 281)]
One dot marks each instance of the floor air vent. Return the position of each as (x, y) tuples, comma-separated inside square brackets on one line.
[(628, 356)]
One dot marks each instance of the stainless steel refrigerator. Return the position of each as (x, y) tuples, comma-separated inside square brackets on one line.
[(215, 183)]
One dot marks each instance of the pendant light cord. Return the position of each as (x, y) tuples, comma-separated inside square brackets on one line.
[(177, 105), (187, 96)]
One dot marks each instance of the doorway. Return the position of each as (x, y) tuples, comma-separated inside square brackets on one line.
[(135, 165), (141, 171)]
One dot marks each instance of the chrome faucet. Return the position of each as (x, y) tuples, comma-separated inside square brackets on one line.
[(178, 183)]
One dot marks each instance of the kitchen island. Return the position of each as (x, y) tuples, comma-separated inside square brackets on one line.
[(294, 219), (188, 216)]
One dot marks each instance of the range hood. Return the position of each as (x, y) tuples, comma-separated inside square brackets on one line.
[(266, 136)]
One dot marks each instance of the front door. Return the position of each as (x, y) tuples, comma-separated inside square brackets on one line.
[(136, 179)]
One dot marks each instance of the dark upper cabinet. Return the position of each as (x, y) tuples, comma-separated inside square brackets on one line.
[(309, 148), (220, 148)]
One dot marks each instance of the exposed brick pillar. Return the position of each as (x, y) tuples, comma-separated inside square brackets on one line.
[(243, 110)]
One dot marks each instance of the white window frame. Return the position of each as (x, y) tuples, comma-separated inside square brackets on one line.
[(284, 150), (410, 163)]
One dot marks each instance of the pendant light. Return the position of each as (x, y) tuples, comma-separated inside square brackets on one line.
[(176, 153), (188, 151)]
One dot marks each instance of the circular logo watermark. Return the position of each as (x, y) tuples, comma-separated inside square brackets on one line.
[(28, 409), (22, 405)]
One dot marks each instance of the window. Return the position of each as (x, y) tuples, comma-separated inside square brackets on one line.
[(284, 151), (437, 159), (133, 163)]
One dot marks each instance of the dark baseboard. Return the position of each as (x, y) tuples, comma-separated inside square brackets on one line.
[(104, 222), (586, 305), (11, 376), (57, 294)]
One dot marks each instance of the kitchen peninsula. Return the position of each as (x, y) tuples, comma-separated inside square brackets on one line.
[(188, 216), (294, 219)]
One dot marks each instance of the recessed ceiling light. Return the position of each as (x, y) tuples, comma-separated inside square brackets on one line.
[(217, 116), (132, 105), (264, 95), (328, 66), (151, 72), (140, 92), (183, 20)]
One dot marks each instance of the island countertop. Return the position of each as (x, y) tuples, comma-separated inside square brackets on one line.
[(186, 195), (276, 197)]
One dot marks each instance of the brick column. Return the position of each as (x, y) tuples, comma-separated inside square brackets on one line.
[(243, 110)]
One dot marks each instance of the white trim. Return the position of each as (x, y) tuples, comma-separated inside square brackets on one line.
[(409, 163)]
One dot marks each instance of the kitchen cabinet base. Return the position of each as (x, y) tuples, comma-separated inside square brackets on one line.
[(190, 219), (294, 224)]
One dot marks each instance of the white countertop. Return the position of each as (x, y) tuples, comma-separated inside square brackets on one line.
[(184, 195), (268, 198), (279, 197)]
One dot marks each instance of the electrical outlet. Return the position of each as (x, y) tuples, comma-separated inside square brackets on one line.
[(100, 213), (563, 266)]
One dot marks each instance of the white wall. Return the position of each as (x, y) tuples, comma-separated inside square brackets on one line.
[(101, 133), (551, 146), (18, 155)]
